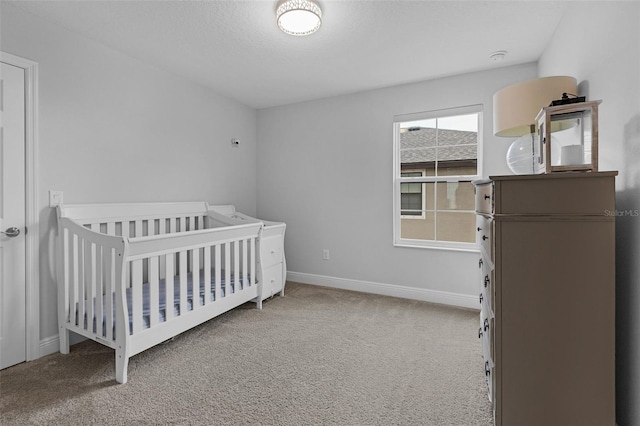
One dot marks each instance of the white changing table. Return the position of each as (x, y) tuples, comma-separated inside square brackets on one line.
[(272, 265)]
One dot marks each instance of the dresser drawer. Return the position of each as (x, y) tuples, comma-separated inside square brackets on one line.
[(488, 368), (486, 278), (487, 290), (568, 193), (486, 332), (484, 234), (271, 250), (484, 198)]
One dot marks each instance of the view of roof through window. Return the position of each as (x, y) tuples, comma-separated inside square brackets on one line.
[(449, 141)]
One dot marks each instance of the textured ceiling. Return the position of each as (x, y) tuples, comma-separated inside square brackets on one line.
[(236, 48)]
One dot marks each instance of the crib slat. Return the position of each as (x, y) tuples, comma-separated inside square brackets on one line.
[(216, 265), (227, 269), (65, 273), (151, 226), (207, 274), (125, 228), (154, 295), (89, 282), (111, 228), (183, 281), (81, 285), (172, 225), (99, 307), (107, 258), (245, 272), (73, 267), (121, 329), (136, 295), (195, 274), (168, 282), (162, 229), (236, 265), (252, 262), (64, 296)]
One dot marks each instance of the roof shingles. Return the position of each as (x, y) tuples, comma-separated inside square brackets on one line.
[(420, 145)]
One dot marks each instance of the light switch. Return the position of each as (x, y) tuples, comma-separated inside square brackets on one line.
[(55, 198)]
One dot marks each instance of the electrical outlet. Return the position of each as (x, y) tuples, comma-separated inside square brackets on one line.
[(325, 254), (55, 198)]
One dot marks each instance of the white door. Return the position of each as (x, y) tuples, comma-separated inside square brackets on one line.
[(12, 216)]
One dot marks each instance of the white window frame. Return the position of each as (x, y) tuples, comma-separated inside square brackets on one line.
[(424, 200), (397, 179)]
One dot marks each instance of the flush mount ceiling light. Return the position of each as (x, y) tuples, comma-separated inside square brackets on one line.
[(299, 17)]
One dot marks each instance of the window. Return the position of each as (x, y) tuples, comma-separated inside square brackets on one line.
[(436, 156), (411, 196)]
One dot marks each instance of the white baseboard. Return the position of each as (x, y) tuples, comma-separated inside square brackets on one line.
[(434, 296), (49, 345)]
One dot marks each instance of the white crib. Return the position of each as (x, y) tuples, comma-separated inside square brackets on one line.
[(134, 275)]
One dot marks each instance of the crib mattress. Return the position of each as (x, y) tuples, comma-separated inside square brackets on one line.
[(244, 282)]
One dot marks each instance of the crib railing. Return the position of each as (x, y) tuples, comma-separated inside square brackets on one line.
[(198, 268), (91, 271), (114, 285)]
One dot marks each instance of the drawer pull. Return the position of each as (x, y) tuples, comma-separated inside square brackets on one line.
[(480, 333), (480, 263), (481, 297), (487, 197), (484, 237), (486, 281), (479, 229), (486, 324), (487, 370)]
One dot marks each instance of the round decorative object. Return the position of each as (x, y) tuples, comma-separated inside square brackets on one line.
[(521, 155)]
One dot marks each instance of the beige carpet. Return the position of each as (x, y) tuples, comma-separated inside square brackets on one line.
[(316, 356)]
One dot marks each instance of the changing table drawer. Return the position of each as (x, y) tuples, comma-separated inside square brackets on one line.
[(271, 249), (272, 280)]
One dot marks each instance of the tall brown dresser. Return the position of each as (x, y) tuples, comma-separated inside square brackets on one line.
[(547, 295)]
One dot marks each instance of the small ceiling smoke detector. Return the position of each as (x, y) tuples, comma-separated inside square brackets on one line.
[(299, 17), (498, 55)]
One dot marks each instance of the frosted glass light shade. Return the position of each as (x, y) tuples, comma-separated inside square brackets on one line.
[(522, 155), (299, 17), (515, 107)]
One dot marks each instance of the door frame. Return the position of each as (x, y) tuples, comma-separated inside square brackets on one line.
[(32, 233)]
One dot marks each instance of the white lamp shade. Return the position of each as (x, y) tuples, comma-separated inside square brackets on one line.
[(515, 107)]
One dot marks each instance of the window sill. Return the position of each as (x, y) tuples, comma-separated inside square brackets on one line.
[(438, 245)]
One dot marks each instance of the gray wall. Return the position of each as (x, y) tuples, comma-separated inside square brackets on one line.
[(605, 58), (113, 129), (325, 169)]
